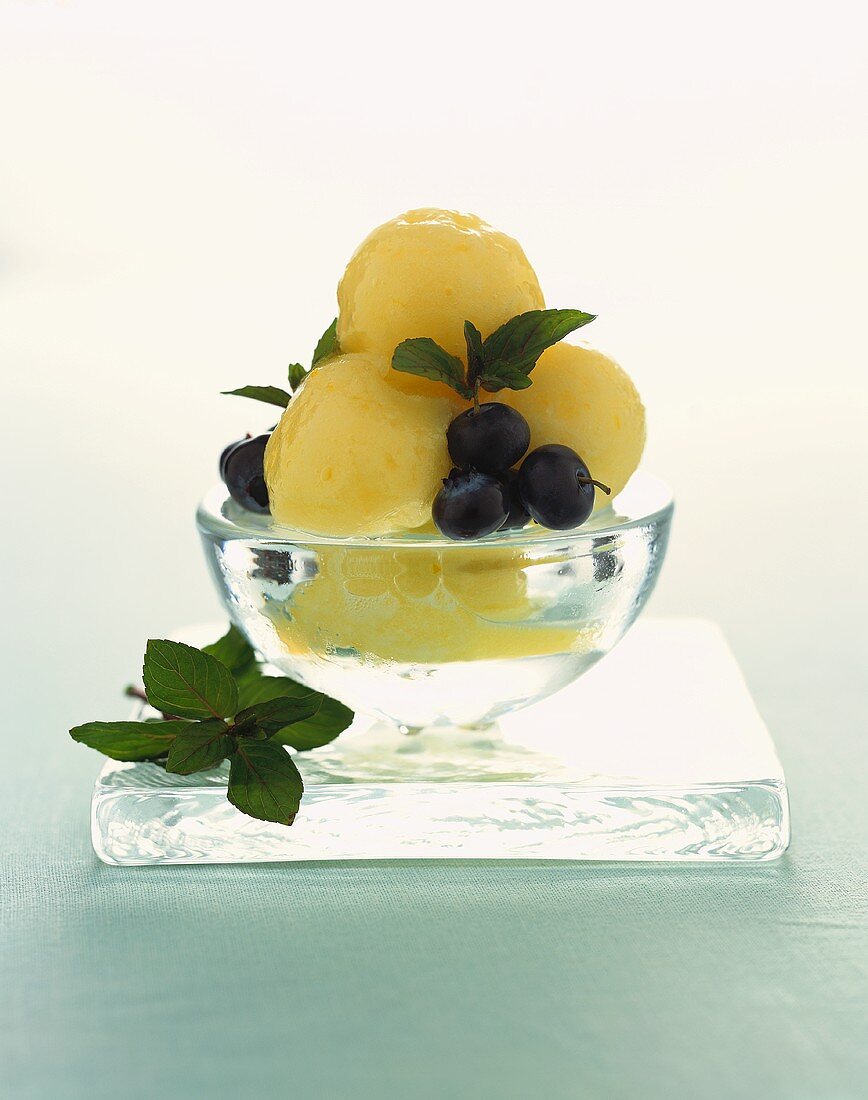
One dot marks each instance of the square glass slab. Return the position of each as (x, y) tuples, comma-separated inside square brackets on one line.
[(656, 754)]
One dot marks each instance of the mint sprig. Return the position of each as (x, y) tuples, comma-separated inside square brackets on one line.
[(504, 360), (424, 357), (218, 705), (326, 347)]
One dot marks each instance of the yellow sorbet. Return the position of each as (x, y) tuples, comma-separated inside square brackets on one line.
[(583, 399), (424, 274), (352, 455), (422, 606)]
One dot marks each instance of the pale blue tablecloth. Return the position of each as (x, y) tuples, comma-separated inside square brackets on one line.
[(442, 979)]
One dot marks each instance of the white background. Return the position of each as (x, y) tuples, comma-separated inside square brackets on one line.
[(181, 185)]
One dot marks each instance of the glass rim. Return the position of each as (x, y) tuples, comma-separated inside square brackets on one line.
[(644, 501)]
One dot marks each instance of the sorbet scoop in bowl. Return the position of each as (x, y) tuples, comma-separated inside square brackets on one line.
[(423, 631)]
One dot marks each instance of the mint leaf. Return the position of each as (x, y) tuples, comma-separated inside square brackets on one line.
[(330, 720), (296, 375), (501, 377), (254, 688), (248, 683), (264, 782), (425, 358), (518, 344), (475, 358), (186, 682), (273, 715), (323, 725), (201, 745), (328, 345), (271, 395), (129, 740), (233, 650)]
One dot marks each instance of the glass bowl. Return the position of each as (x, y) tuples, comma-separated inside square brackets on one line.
[(421, 631)]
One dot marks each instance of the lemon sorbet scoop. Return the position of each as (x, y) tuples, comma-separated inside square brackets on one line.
[(424, 274), (352, 455), (584, 400)]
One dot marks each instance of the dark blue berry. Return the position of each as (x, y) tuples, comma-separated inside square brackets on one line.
[(490, 439), (556, 487), (470, 504), (518, 515), (225, 454), (244, 475)]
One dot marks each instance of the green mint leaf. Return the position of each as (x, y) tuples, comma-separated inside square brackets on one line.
[(521, 341), (425, 358), (129, 740), (296, 375), (247, 727), (475, 355), (264, 782), (254, 687), (273, 715), (233, 650), (328, 345), (330, 720), (500, 377), (201, 745), (186, 682), (271, 395)]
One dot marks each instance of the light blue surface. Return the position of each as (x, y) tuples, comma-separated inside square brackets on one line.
[(437, 979)]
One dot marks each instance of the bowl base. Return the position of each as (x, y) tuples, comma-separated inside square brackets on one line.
[(658, 754)]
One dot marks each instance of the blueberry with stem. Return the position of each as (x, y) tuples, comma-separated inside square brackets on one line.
[(556, 487)]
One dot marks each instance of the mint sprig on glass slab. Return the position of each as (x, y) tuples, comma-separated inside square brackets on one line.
[(217, 704)]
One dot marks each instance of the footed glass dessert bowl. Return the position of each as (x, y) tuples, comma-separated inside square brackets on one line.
[(423, 632), (659, 756)]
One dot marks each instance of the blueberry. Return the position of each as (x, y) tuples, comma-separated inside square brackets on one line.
[(244, 476), (556, 487), (490, 439), (224, 454), (518, 514), (470, 504)]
